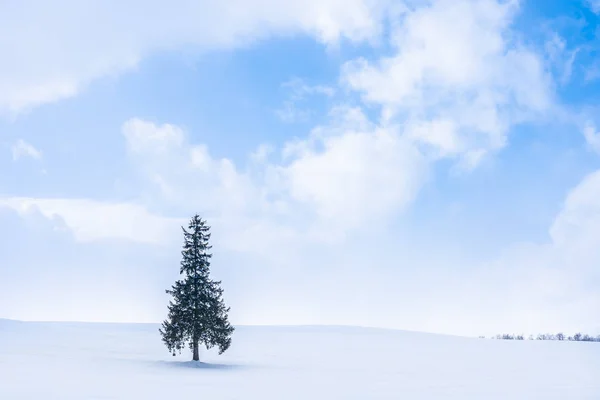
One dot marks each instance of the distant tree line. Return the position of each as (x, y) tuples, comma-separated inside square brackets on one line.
[(578, 337)]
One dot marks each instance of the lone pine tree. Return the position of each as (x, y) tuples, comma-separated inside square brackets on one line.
[(197, 314)]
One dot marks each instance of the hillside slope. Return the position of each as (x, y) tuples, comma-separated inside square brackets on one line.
[(123, 361)]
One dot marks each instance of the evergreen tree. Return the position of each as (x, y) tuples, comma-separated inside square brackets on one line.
[(197, 314)]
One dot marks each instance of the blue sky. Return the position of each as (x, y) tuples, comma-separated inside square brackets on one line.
[(456, 141)]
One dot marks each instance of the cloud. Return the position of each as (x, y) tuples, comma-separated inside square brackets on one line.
[(345, 173), (261, 154), (592, 137), (353, 171), (23, 149), (384, 281), (449, 90), (290, 113), (300, 89), (314, 213), (576, 229), (594, 5), (592, 73), (458, 79), (530, 288), (562, 58), (553, 286), (299, 92), (47, 273), (184, 178), (91, 220), (71, 46), (145, 137), (184, 175)]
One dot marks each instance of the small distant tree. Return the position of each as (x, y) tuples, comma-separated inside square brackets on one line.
[(577, 337), (197, 314), (560, 336)]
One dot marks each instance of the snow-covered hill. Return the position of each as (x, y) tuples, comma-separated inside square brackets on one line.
[(128, 361)]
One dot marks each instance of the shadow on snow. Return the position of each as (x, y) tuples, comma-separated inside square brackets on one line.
[(199, 365)]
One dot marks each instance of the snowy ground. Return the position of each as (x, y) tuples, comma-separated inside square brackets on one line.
[(104, 361)]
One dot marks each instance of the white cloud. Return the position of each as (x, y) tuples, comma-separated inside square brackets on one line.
[(55, 50), (345, 173), (592, 136), (261, 154), (592, 73), (23, 149), (441, 134), (533, 287), (354, 172), (457, 76), (576, 230), (299, 91), (186, 175), (185, 178), (594, 5), (91, 220), (530, 288), (455, 85), (145, 137), (291, 113), (314, 190), (562, 57)]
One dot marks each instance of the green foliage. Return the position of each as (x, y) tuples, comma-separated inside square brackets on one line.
[(197, 313)]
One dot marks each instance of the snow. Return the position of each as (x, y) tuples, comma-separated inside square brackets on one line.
[(128, 361)]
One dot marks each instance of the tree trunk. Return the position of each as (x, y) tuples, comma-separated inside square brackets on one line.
[(196, 355)]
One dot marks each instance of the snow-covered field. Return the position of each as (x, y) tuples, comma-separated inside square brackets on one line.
[(112, 361)]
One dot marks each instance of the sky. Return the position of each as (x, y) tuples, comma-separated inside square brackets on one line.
[(419, 165)]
